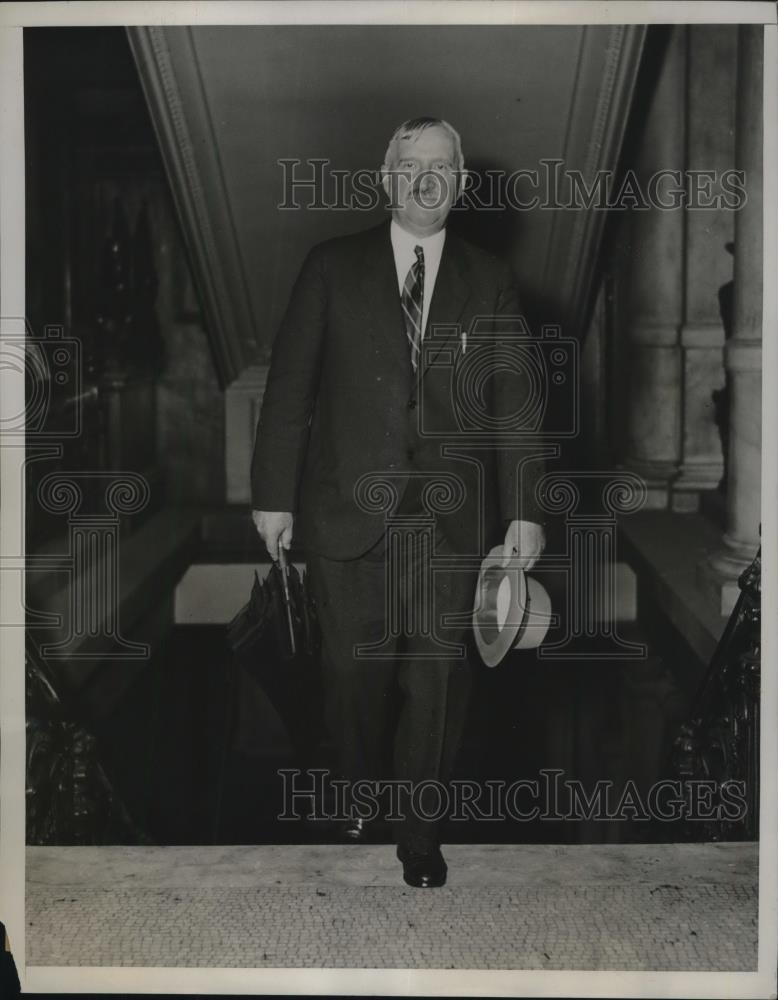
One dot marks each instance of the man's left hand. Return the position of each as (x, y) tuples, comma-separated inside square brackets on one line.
[(524, 542)]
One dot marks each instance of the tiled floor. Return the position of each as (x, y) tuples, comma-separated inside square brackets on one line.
[(667, 907)]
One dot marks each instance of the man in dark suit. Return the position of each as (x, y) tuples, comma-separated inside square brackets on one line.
[(392, 384)]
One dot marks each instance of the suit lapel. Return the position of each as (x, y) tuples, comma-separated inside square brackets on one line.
[(452, 290), (377, 284), (380, 297)]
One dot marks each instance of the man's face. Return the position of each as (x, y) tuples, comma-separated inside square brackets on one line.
[(422, 180)]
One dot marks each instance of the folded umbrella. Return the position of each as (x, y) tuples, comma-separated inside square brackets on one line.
[(249, 623), (275, 637), (287, 598)]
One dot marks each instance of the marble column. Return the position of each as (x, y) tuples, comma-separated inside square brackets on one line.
[(743, 353), (710, 118), (653, 417)]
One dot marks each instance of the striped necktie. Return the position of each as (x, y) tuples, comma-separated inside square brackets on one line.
[(412, 303)]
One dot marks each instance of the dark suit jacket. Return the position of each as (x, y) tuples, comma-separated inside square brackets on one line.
[(342, 401)]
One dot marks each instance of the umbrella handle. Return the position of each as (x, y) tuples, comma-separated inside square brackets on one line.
[(287, 598)]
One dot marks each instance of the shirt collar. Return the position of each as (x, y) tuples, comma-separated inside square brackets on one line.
[(401, 238)]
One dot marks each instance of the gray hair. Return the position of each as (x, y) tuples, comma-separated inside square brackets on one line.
[(414, 126)]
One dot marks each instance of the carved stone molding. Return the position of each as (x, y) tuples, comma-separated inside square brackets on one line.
[(169, 72), (596, 140)]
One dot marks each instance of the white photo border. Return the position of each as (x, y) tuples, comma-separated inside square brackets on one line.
[(398, 982)]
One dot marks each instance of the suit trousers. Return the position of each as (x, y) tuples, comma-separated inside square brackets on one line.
[(397, 678)]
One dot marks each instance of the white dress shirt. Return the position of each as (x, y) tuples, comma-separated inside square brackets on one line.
[(403, 244)]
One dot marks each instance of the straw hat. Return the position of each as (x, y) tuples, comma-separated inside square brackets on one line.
[(512, 610)]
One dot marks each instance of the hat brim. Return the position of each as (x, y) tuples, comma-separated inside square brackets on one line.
[(516, 620), (496, 629)]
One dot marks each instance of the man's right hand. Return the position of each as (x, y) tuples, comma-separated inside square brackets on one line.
[(274, 527)]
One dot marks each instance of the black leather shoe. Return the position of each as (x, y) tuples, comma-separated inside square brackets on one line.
[(423, 870), (354, 831)]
